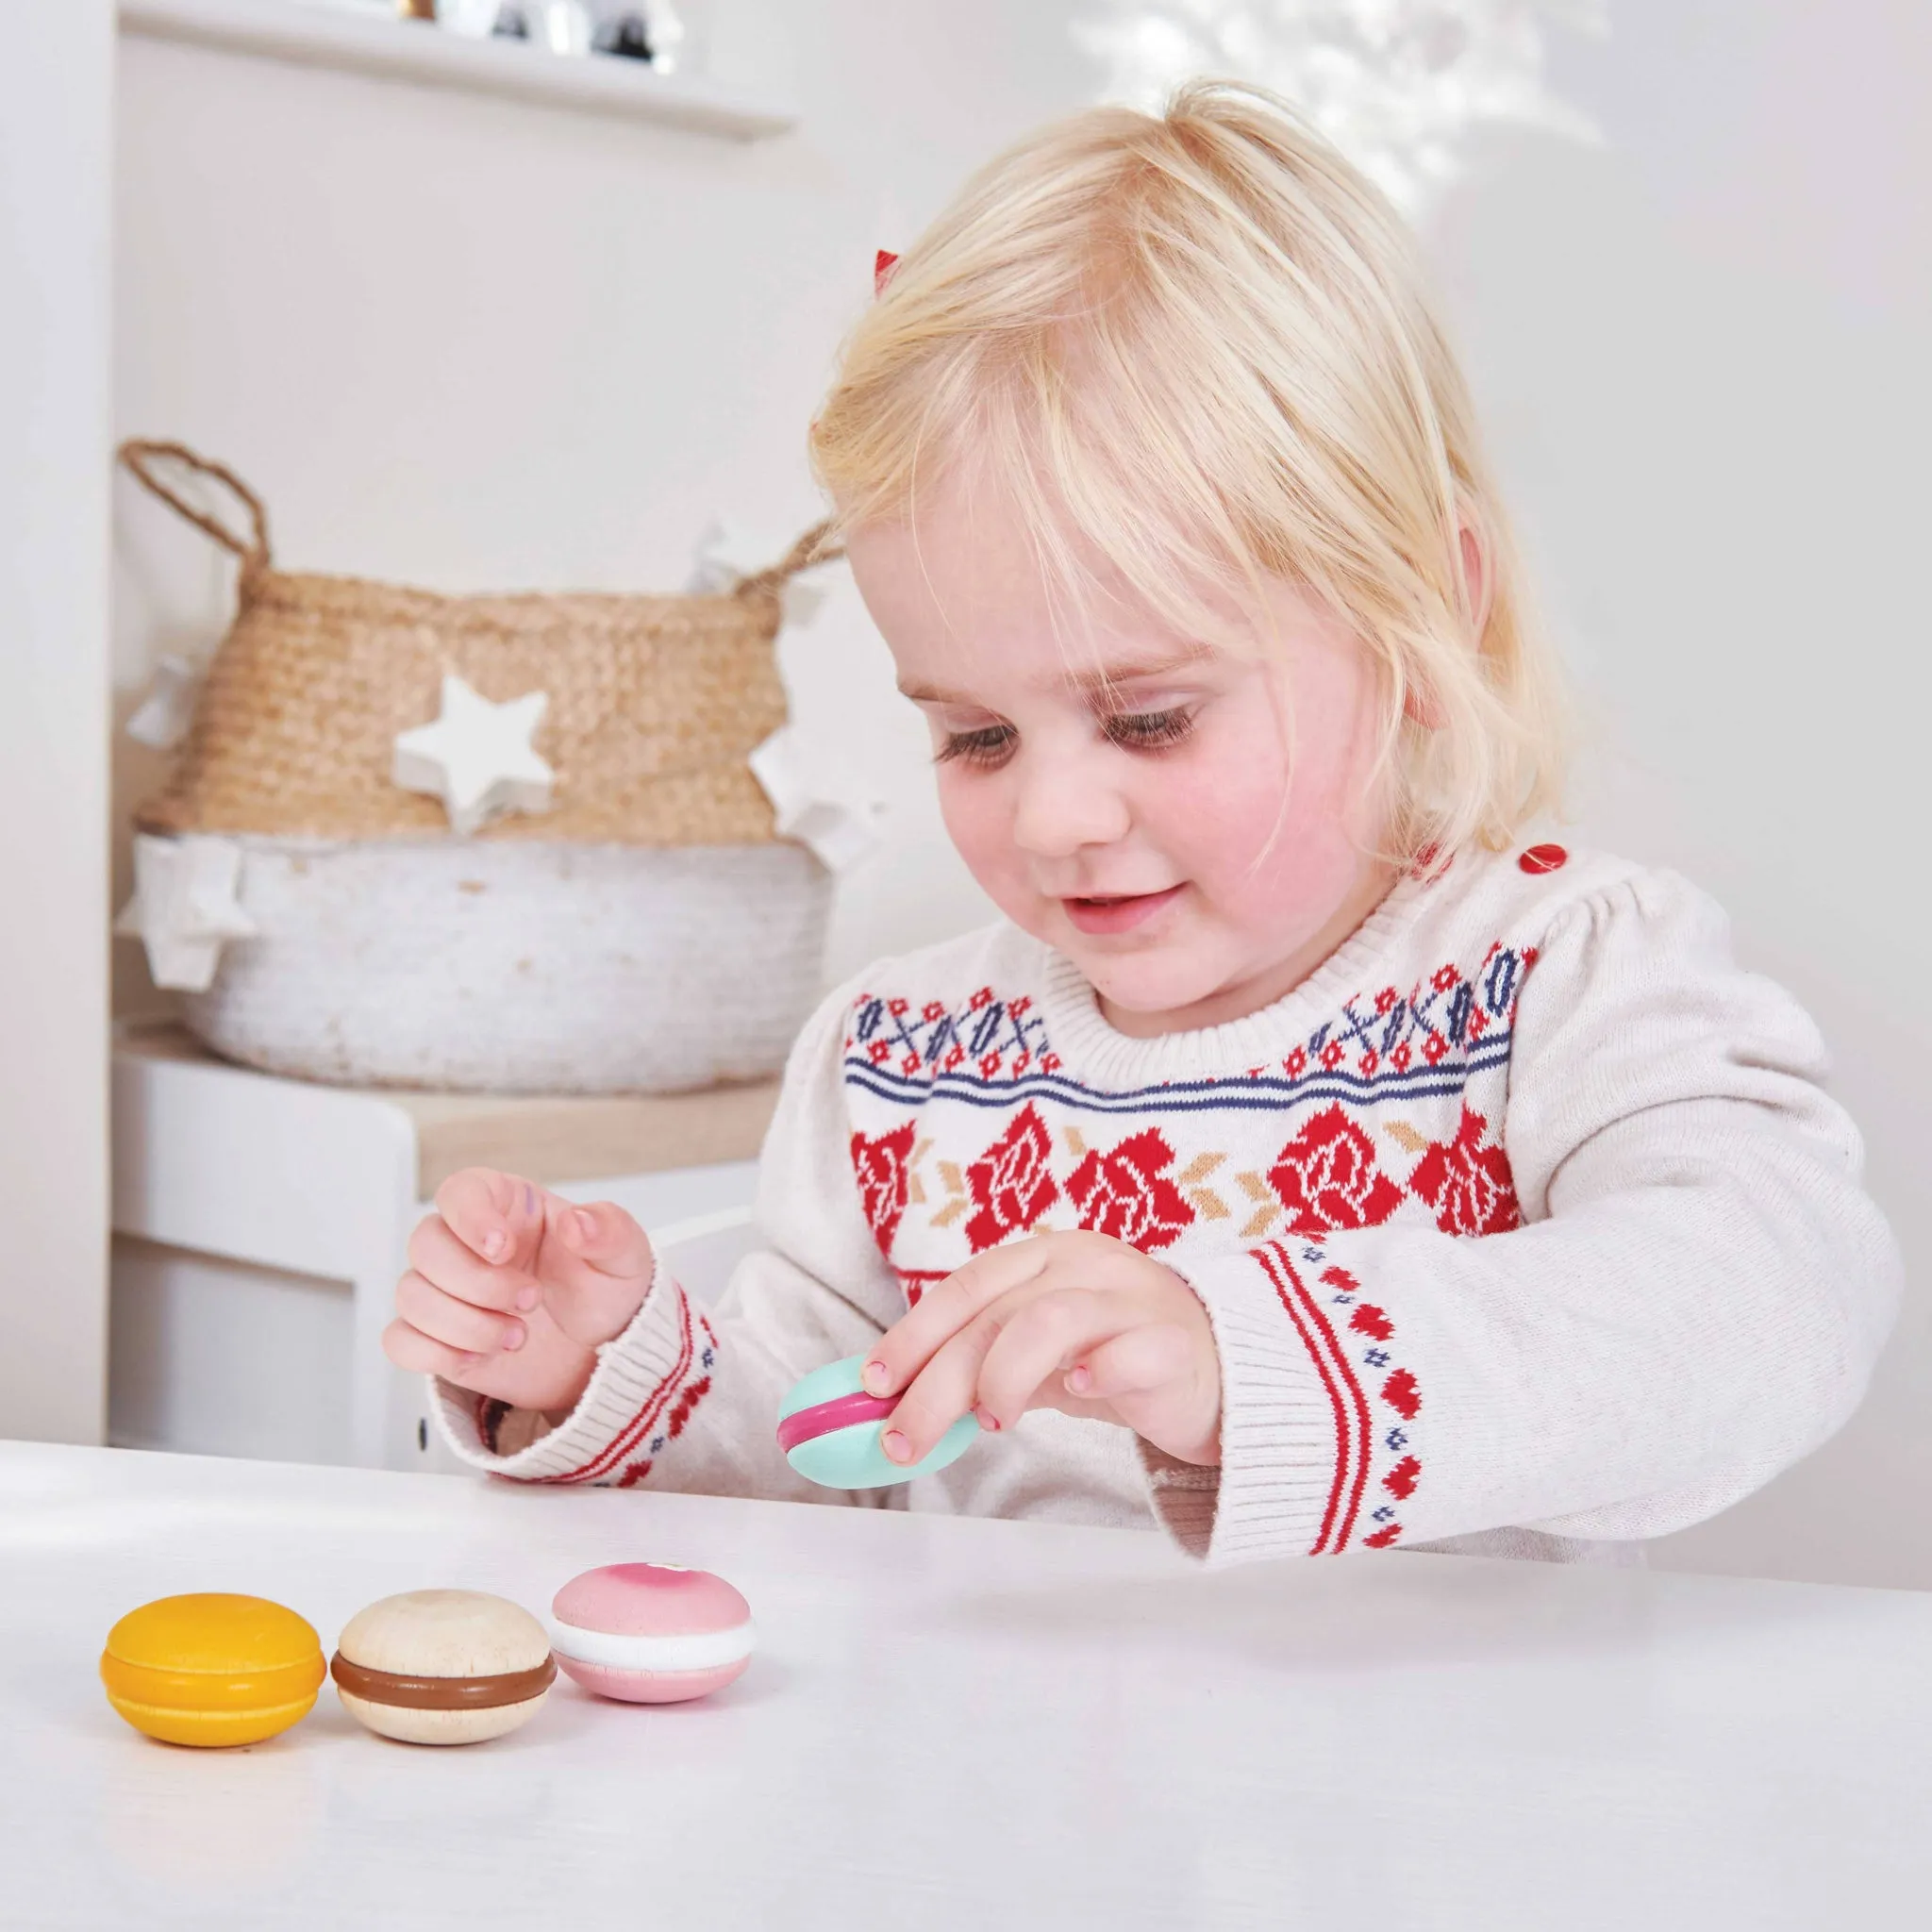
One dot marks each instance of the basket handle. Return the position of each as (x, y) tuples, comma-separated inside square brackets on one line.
[(804, 555), (138, 455)]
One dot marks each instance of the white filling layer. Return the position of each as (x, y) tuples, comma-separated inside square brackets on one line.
[(704, 1651)]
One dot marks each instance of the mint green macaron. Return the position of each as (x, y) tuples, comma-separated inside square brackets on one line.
[(829, 1429)]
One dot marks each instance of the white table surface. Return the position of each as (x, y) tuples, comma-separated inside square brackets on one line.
[(964, 1723)]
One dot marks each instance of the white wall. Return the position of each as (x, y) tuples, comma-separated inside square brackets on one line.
[(474, 343), (54, 129), (1703, 352)]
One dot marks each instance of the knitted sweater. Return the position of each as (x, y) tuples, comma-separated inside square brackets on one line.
[(1524, 1219)]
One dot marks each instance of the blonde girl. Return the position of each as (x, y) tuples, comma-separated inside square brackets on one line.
[(1310, 1157)]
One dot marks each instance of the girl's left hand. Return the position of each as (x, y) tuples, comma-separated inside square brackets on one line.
[(1079, 1323)]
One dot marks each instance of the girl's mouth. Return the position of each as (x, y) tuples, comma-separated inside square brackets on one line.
[(1119, 913)]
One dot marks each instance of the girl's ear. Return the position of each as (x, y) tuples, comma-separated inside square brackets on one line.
[(1476, 575), (1419, 708)]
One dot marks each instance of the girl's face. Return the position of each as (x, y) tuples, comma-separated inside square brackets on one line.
[(1126, 793)]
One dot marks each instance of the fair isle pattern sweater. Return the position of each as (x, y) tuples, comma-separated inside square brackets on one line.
[(1524, 1217)]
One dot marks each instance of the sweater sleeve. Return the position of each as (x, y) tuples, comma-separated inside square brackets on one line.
[(1694, 1298), (687, 1398)]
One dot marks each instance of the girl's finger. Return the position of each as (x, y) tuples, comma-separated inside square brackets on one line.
[(498, 1216), (903, 1350), (456, 1324), (1133, 1362), (602, 1238), (1154, 1380), (940, 1393), (411, 1349), (1040, 1341), (438, 1255)]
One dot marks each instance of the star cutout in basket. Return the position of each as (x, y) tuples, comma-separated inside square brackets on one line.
[(477, 757)]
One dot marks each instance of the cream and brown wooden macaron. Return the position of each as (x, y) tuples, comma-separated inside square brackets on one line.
[(443, 1667)]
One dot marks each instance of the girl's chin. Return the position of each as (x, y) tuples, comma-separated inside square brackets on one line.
[(1143, 997), (1149, 980)]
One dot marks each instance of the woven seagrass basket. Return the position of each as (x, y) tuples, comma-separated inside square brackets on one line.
[(649, 932)]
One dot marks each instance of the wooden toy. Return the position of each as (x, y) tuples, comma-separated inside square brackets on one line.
[(829, 1429), (213, 1668), (443, 1667), (651, 1633)]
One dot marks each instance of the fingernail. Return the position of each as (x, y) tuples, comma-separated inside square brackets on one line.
[(526, 1298), (513, 1335), (587, 1225), (877, 1377), (895, 1445), (1079, 1380), (495, 1245), (986, 1420)]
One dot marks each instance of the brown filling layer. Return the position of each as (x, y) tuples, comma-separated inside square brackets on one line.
[(441, 1693)]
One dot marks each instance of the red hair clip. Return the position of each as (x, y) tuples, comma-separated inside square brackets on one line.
[(884, 263)]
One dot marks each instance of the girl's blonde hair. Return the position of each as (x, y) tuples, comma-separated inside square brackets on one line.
[(1199, 349)]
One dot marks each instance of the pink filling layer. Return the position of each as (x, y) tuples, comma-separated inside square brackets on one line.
[(842, 1412)]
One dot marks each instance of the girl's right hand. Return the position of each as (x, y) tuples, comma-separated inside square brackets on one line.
[(511, 1289)]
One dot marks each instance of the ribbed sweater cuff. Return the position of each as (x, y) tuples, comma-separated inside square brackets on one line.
[(1279, 1439), (609, 1437)]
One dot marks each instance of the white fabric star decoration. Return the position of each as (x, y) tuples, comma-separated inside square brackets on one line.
[(831, 817), (727, 555), (814, 807), (185, 908), (164, 714), (477, 757)]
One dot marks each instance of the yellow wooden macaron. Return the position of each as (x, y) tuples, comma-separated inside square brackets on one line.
[(213, 1668)]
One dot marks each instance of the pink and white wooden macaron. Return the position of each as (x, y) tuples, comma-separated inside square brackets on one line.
[(651, 1633)]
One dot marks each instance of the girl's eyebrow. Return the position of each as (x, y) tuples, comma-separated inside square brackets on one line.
[(1164, 666), (1086, 682)]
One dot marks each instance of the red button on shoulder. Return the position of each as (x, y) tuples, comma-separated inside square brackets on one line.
[(1543, 859)]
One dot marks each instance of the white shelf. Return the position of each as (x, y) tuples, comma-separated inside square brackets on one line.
[(406, 51)]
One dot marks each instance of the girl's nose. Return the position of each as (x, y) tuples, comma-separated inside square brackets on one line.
[(1063, 804)]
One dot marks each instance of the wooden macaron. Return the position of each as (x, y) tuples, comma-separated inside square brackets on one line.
[(213, 1668), (651, 1633), (832, 1432), (443, 1667)]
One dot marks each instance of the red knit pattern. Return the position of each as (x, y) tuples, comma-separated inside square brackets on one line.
[(880, 1167), (1327, 1177), (1128, 1194), (1467, 1184), (1012, 1183)]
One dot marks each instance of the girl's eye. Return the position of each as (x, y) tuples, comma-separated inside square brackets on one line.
[(990, 744), (1148, 730)]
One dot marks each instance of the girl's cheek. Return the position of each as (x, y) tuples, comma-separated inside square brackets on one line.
[(1258, 843), (1219, 801), (978, 823)]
